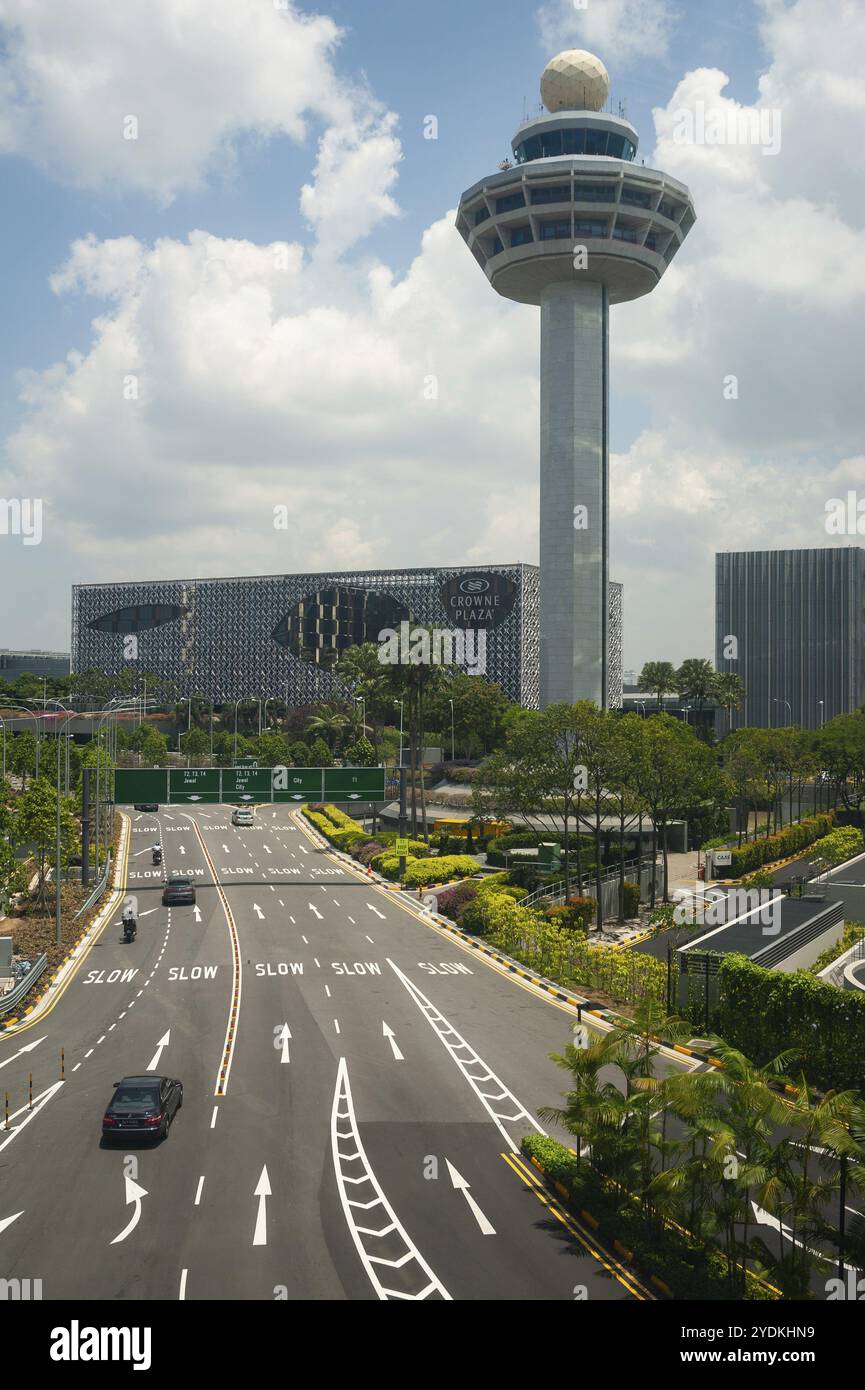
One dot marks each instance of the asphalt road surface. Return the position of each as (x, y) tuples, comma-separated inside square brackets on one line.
[(356, 1083)]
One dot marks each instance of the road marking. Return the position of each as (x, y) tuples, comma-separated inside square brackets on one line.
[(134, 1194), (336, 1024), (352, 1169), (237, 975), (388, 1033), (376, 911), (7, 1220), (612, 1266), (182, 1294), (283, 1037), (469, 1063), (370, 940), (160, 1046), (316, 911), (28, 1047), (460, 1184), (213, 1117), (258, 912), (262, 1192), (198, 1190), (326, 990)]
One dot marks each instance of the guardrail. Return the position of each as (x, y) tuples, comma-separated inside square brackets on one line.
[(8, 1001), (97, 891)]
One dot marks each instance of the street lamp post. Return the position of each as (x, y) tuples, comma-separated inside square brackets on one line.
[(3, 727), (401, 704), (236, 703), (453, 753), (776, 701), (211, 733)]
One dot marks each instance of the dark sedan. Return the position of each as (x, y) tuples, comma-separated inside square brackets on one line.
[(178, 891), (146, 806), (142, 1107)]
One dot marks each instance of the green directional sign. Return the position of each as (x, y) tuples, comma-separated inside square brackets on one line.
[(193, 785), (247, 784), (133, 786), (354, 784), (297, 784)]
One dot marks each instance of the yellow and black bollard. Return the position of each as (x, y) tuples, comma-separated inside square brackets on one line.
[(62, 1064), (6, 1123), (30, 1104)]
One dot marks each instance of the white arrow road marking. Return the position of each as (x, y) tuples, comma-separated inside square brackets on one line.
[(283, 1037), (459, 1182), (225, 847), (197, 911), (134, 1193), (388, 1033), (267, 849), (376, 911), (28, 1048), (181, 848), (258, 912), (316, 911), (262, 1192), (163, 1042), (148, 912), (31, 1114), (7, 1220)]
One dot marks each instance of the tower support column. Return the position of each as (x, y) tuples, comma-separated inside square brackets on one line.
[(574, 525)]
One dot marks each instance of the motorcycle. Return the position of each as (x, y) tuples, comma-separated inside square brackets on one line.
[(130, 929), (157, 856)]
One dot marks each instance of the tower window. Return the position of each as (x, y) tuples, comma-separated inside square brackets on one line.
[(520, 236), (510, 202), (560, 194), (555, 231)]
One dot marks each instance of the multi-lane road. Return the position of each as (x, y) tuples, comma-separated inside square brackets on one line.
[(356, 1082)]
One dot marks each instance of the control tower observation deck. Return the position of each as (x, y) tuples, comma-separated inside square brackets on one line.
[(575, 225)]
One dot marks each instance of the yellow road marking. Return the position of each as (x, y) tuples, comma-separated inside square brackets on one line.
[(610, 1264)]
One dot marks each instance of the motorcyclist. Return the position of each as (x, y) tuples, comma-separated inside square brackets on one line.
[(157, 854), (130, 926)]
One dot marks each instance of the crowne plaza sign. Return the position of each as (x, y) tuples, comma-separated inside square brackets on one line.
[(478, 600)]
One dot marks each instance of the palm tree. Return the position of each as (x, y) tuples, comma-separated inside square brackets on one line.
[(660, 678), (329, 723), (696, 680), (730, 694)]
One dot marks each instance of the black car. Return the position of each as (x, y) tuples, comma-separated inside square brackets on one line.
[(143, 1107), (178, 891), (146, 806)]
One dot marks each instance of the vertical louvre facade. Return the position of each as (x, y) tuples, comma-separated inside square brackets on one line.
[(798, 617)]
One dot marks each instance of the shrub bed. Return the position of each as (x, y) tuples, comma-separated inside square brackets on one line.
[(786, 842), (687, 1268), (420, 872)]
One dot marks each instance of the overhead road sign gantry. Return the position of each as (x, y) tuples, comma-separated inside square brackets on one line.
[(183, 786)]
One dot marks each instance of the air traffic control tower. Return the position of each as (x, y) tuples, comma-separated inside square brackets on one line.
[(574, 225)]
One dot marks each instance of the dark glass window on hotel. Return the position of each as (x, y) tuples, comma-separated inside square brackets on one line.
[(529, 149), (555, 231), (624, 234), (497, 247), (482, 215), (560, 194), (510, 202), (616, 146), (140, 618), (651, 242), (669, 210), (323, 625), (521, 235)]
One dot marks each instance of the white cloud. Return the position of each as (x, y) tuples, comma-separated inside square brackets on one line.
[(624, 30), (196, 76)]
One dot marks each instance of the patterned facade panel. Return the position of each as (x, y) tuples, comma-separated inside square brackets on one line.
[(237, 638), (615, 668)]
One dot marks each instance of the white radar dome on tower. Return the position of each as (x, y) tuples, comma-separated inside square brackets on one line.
[(575, 81)]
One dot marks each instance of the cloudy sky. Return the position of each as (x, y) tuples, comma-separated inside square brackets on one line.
[(229, 267)]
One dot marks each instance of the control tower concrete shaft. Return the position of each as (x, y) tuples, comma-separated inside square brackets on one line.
[(574, 225)]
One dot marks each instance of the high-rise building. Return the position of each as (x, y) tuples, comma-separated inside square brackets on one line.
[(575, 225), (791, 625)]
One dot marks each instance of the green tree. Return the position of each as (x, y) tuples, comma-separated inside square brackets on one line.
[(319, 754), (659, 677), (673, 770), (696, 680), (36, 821)]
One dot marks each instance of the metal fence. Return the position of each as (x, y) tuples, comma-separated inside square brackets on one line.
[(8, 1001)]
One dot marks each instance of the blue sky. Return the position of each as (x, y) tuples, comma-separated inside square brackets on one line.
[(306, 386)]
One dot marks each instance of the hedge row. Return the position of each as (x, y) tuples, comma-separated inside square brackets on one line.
[(688, 1269), (781, 845), (765, 1012)]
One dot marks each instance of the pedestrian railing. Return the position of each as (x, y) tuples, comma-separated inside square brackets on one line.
[(8, 1001)]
